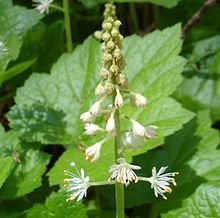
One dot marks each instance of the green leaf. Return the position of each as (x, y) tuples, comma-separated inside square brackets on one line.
[(203, 203), (26, 175), (5, 168), (15, 70), (14, 22), (165, 3), (56, 206), (200, 88)]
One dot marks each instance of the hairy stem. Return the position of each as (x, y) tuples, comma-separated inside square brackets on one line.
[(119, 188), (67, 26)]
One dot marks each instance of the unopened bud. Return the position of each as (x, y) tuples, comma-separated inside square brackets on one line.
[(100, 90), (107, 57), (110, 45), (138, 100), (98, 35), (117, 24), (106, 36), (122, 80), (104, 73), (118, 99), (110, 126), (117, 53), (114, 69), (109, 87), (107, 26), (114, 32)]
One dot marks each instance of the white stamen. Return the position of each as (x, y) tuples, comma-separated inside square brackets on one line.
[(42, 5)]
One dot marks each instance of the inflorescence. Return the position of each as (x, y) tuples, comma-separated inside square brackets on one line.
[(114, 83)]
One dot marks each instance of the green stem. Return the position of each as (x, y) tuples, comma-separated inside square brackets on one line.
[(57, 7), (119, 188), (134, 17), (67, 25)]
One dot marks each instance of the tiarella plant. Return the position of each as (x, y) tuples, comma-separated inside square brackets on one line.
[(112, 93)]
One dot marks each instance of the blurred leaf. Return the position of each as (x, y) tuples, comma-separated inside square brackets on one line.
[(56, 206), (26, 175), (201, 86), (165, 3), (14, 22), (5, 167), (203, 203)]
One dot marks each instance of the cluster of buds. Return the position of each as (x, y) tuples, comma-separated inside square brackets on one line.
[(114, 83)]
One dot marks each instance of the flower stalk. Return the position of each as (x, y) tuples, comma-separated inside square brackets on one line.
[(67, 26)]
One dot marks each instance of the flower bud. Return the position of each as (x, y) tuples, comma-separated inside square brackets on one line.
[(114, 32), (95, 108), (122, 80), (114, 69), (107, 26), (150, 132), (110, 126), (86, 117), (98, 35), (106, 36), (118, 99), (138, 100), (107, 57), (138, 129), (91, 129), (110, 45), (104, 73), (100, 90), (117, 54), (117, 24), (109, 87)]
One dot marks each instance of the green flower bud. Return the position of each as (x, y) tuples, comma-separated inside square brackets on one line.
[(106, 36), (117, 54), (110, 45)]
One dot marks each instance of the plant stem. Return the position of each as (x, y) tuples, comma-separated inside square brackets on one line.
[(119, 188), (134, 17), (67, 26), (57, 7)]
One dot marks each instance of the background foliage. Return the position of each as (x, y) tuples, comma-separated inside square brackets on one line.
[(44, 90)]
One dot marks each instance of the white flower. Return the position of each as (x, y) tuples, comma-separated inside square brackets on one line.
[(91, 129), (76, 185), (95, 108), (110, 126), (150, 132), (123, 172), (3, 49), (86, 117), (42, 5), (93, 152), (118, 99), (138, 100), (160, 182), (138, 129)]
